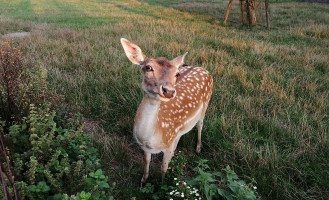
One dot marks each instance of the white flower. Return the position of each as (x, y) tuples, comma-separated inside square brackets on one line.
[(255, 187), (171, 199), (171, 193), (188, 187), (176, 183), (175, 179), (197, 194), (184, 183), (182, 195)]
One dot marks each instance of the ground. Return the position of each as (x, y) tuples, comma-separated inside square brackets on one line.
[(268, 116)]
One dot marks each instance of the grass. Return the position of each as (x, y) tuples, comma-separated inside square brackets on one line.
[(268, 117)]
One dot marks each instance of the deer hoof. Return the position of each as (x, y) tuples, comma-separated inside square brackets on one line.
[(198, 149)]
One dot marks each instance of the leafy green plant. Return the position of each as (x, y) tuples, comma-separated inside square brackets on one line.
[(55, 162), (227, 184), (174, 186), (203, 185), (205, 180), (83, 196)]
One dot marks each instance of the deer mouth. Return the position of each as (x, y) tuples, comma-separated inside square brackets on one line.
[(161, 93), (158, 96)]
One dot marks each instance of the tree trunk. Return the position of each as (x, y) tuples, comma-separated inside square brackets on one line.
[(267, 13), (228, 11), (251, 12), (242, 9)]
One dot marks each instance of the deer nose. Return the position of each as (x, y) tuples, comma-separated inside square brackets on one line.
[(168, 92)]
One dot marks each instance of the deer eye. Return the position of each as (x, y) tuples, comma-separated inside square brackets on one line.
[(177, 75), (148, 68)]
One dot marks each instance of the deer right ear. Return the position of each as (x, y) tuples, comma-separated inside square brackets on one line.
[(133, 52)]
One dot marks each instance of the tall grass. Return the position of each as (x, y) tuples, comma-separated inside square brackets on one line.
[(268, 117)]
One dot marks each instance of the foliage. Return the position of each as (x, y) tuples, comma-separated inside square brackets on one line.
[(174, 186), (202, 185), (11, 68), (22, 82), (227, 184), (52, 162)]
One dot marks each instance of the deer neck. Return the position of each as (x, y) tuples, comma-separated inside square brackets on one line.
[(146, 118)]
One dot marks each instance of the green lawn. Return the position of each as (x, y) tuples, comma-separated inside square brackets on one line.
[(269, 114)]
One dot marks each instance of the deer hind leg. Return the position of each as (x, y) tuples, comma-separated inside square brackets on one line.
[(167, 155), (176, 143), (147, 159), (200, 125)]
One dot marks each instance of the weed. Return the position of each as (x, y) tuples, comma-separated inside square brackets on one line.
[(53, 162)]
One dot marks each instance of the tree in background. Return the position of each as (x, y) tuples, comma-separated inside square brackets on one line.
[(248, 7), (251, 12)]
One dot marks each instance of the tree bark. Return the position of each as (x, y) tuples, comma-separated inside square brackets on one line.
[(228, 11), (267, 3), (242, 9), (251, 12)]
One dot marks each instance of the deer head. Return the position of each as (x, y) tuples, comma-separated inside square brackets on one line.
[(159, 74)]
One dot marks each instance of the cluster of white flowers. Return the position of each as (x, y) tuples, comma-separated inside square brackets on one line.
[(177, 193), (191, 190), (194, 191)]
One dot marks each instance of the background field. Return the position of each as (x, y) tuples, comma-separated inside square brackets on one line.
[(269, 114)]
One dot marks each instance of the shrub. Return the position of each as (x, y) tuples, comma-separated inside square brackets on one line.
[(202, 185), (53, 162), (11, 68), (224, 184), (22, 82)]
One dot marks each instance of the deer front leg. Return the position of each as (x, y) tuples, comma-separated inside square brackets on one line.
[(147, 159), (198, 146), (167, 155)]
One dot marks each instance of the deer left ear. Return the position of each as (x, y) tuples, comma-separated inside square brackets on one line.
[(179, 61)]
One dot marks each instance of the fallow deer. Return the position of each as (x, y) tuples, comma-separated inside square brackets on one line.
[(175, 100)]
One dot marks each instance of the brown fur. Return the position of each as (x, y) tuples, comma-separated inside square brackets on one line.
[(171, 105)]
